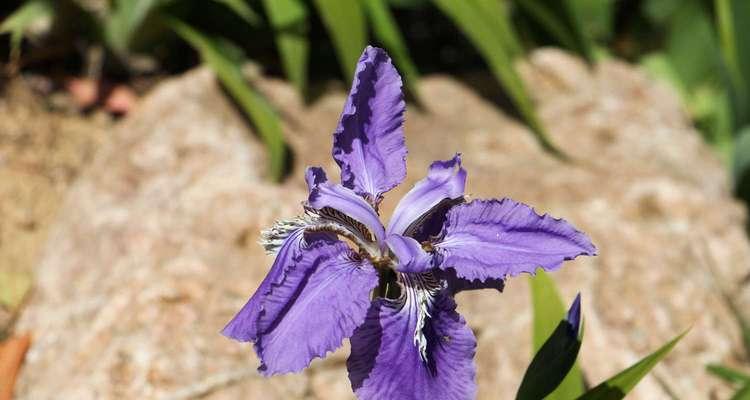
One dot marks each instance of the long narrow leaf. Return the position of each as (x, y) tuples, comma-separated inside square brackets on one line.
[(559, 18), (22, 18), (732, 19), (728, 374), (618, 386), (243, 10), (289, 21), (345, 22), (554, 360), (548, 311), (125, 21), (742, 394), (255, 106), (470, 18), (387, 32)]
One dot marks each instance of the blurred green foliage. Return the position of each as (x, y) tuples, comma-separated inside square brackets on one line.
[(696, 46)]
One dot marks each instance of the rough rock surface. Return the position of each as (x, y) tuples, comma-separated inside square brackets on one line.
[(155, 248)]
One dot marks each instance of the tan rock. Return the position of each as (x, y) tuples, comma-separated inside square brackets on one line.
[(155, 248)]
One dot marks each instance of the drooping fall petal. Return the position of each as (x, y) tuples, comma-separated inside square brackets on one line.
[(320, 302)]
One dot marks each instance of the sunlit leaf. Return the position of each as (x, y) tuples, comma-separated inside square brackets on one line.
[(728, 374), (618, 386), (228, 70), (345, 22), (243, 10), (13, 288), (387, 33), (21, 19), (556, 357), (691, 45), (289, 21), (742, 394), (548, 311), (471, 18)]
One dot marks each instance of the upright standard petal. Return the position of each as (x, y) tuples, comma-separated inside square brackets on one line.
[(442, 188), (368, 143), (488, 239), (244, 325), (319, 303), (385, 362), (411, 257), (335, 202)]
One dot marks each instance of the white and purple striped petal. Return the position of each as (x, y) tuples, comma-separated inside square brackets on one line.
[(323, 298), (433, 195), (336, 202), (493, 239), (387, 361), (368, 143)]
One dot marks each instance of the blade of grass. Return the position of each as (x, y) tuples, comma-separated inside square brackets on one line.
[(243, 10), (548, 311), (289, 21), (618, 386), (229, 72), (469, 17), (387, 32), (17, 22), (728, 374), (345, 22)]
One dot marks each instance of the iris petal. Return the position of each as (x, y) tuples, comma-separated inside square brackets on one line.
[(244, 325), (385, 362), (443, 185), (320, 302), (409, 253), (368, 143), (334, 201), (492, 239)]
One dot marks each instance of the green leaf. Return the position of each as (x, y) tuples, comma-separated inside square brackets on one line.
[(290, 23), (618, 386), (243, 10), (125, 21), (345, 22), (21, 19), (741, 173), (728, 374), (228, 70), (559, 18), (742, 394), (733, 23), (552, 363), (548, 311), (13, 288), (481, 30), (387, 32), (692, 46)]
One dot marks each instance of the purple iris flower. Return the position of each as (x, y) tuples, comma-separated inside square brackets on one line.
[(390, 289)]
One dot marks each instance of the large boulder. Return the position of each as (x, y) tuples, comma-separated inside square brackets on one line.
[(155, 249)]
